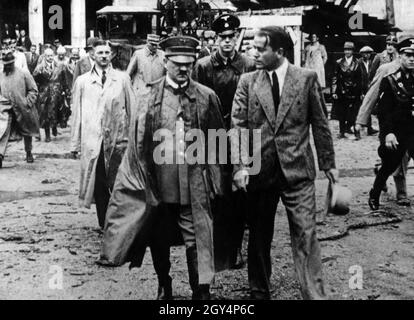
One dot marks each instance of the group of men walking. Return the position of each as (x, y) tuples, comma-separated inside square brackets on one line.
[(142, 202), (116, 130)]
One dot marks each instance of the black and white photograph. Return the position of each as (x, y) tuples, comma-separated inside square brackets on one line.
[(224, 151)]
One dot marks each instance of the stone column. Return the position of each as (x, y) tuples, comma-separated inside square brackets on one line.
[(36, 32), (78, 23)]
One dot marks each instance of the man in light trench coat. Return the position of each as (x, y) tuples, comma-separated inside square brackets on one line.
[(103, 100)]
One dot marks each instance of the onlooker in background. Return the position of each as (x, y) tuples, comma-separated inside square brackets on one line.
[(147, 64), (19, 90), (45, 46), (17, 32), (24, 41), (346, 90), (86, 63), (60, 57), (53, 88), (366, 66), (387, 56), (207, 48), (20, 56), (316, 58), (32, 58), (7, 33)]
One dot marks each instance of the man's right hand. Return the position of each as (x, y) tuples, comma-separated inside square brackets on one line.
[(241, 180), (391, 142)]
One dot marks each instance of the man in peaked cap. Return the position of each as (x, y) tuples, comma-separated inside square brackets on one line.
[(396, 119), (347, 90), (152, 195), (221, 71), (147, 64), (390, 54)]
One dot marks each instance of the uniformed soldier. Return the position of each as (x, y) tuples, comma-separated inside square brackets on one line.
[(396, 119), (221, 71), (179, 194)]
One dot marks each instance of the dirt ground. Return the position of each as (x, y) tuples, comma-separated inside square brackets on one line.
[(43, 234)]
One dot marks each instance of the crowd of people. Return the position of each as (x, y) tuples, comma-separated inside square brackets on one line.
[(170, 85)]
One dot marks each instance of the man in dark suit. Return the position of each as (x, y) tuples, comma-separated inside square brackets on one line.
[(282, 102), (347, 90), (24, 41), (32, 59), (85, 64)]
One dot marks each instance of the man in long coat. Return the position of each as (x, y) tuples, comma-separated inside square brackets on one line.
[(153, 201), (53, 87), (221, 72), (282, 102), (347, 90), (103, 101), (18, 113), (86, 63), (147, 64)]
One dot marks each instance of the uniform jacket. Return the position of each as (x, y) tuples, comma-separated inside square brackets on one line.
[(379, 60), (82, 66), (213, 73), (20, 88), (396, 106), (101, 116), (136, 195), (371, 97), (302, 106), (145, 68), (347, 79)]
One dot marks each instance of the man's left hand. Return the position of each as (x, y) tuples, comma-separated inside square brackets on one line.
[(332, 175)]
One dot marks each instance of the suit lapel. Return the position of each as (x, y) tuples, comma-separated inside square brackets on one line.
[(263, 91), (289, 94)]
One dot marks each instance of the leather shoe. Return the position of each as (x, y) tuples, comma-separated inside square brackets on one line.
[(404, 202), (372, 132), (29, 157), (165, 291), (202, 293), (1, 161), (373, 201)]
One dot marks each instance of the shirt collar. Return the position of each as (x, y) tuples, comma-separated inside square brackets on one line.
[(173, 84), (225, 59), (349, 60), (281, 71), (148, 52), (98, 71)]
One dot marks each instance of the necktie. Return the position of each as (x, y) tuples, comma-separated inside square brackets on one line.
[(275, 91), (103, 77)]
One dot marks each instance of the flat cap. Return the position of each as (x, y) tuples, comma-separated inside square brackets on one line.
[(180, 49), (226, 24), (349, 45), (406, 45), (366, 49), (7, 57)]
